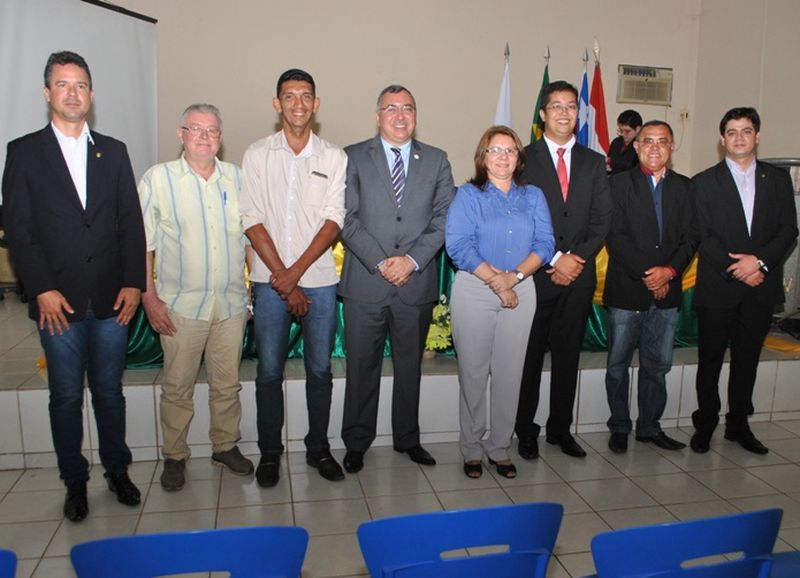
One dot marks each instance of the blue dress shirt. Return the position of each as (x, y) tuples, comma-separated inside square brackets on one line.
[(500, 229)]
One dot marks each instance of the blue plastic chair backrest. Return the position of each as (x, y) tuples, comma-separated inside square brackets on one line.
[(257, 552), (661, 550), (412, 546), (8, 564)]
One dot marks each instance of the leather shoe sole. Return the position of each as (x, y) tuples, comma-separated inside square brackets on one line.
[(568, 446), (749, 442), (326, 466), (419, 455), (122, 486), (618, 442), (662, 440), (528, 448), (353, 461)]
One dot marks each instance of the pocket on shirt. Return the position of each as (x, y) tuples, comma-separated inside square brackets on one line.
[(316, 191)]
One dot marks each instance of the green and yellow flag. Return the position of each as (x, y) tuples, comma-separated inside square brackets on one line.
[(537, 126)]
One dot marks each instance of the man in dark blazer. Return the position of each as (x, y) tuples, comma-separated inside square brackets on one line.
[(574, 182), (748, 223), (650, 244), (397, 195), (75, 229)]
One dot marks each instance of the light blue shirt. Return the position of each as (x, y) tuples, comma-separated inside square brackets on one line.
[(405, 152), (502, 230)]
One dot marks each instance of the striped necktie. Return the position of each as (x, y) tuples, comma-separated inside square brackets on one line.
[(398, 176)]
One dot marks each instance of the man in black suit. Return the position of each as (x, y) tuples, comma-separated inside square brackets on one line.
[(574, 182), (748, 223), (651, 242), (397, 195), (75, 229)]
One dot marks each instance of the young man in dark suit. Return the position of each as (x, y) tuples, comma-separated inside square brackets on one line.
[(651, 242), (75, 230), (574, 182), (748, 223), (397, 195)]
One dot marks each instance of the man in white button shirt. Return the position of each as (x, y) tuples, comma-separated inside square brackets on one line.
[(748, 222), (292, 210)]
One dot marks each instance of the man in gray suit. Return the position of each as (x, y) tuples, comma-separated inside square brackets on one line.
[(397, 195)]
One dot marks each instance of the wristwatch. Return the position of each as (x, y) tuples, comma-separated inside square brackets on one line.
[(763, 267), (519, 275)]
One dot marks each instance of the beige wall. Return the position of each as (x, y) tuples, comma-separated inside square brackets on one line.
[(450, 54)]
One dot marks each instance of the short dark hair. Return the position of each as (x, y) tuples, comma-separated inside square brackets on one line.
[(630, 118), (557, 86), (394, 89), (295, 74), (747, 112), (481, 172), (656, 123), (65, 57)]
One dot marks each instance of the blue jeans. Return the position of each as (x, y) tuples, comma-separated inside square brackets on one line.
[(271, 321), (652, 332), (97, 347)]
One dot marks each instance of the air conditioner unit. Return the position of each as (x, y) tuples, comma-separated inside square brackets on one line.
[(644, 84)]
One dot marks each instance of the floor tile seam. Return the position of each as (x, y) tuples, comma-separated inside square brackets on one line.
[(726, 498), (144, 512)]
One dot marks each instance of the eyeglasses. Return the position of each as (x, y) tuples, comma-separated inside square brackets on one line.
[(661, 142), (500, 151), (570, 108), (211, 132), (393, 109)]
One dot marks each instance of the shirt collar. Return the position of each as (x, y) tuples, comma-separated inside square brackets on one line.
[(648, 173), (310, 149), (84, 132), (735, 167), (404, 148), (186, 168), (553, 147)]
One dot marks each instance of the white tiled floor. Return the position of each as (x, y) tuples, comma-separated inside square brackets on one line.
[(601, 492)]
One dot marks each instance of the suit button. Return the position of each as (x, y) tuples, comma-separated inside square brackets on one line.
[(88, 259), (566, 214), (397, 246), (561, 237), (88, 226), (399, 219)]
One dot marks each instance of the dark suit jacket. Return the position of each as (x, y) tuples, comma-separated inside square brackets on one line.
[(633, 242), (723, 230), (86, 254), (375, 228), (580, 225)]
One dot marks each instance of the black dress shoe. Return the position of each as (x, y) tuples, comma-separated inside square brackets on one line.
[(418, 454), (353, 461), (618, 442), (662, 440), (700, 443), (268, 471), (76, 506), (568, 445), (326, 465), (748, 441), (122, 485), (528, 448)]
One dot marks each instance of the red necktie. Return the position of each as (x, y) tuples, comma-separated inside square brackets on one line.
[(561, 169)]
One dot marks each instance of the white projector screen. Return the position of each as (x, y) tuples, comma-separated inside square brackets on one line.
[(120, 50)]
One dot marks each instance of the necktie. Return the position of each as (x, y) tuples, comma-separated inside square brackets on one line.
[(561, 169), (398, 176)]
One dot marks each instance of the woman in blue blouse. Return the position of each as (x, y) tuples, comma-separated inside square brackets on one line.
[(498, 234)]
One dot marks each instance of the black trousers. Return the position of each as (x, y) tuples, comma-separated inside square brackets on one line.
[(559, 323), (744, 328)]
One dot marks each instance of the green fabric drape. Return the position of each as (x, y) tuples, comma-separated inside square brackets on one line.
[(144, 348)]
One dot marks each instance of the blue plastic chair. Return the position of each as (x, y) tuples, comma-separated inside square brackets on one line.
[(412, 546), (661, 551), (257, 552), (8, 564)]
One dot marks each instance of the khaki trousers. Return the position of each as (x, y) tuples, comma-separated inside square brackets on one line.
[(221, 340)]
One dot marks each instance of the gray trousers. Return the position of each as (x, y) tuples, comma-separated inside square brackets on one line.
[(489, 340)]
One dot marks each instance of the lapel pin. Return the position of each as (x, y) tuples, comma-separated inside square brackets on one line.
[(416, 157), (98, 154)]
